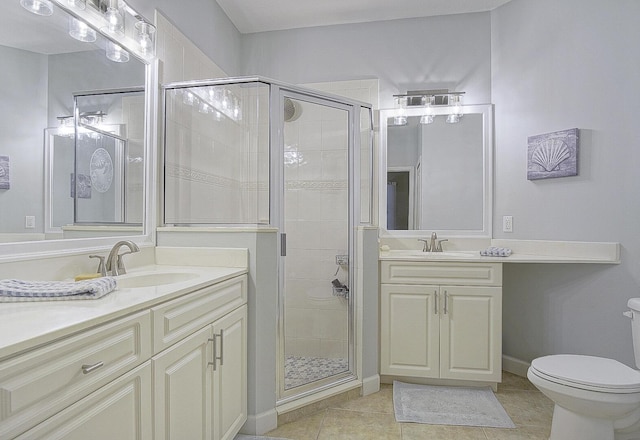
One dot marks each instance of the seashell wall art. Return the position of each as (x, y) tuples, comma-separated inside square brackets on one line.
[(553, 155), (5, 182)]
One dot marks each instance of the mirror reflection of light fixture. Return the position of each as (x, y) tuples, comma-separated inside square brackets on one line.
[(65, 126), (78, 4), (81, 31), (146, 37), (116, 53), (38, 7), (455, 101), (429, 99), (401, 118)]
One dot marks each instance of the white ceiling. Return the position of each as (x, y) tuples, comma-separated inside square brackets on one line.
[(269, 15)]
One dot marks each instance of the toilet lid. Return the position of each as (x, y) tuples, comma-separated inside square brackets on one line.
[(589, 372)]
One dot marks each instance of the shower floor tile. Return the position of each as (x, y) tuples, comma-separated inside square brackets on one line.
[(300, 370)]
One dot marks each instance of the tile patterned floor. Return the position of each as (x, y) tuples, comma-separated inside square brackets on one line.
[(371, 418), (300, 370)]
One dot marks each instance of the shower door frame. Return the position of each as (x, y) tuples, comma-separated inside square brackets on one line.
[(277, 97)]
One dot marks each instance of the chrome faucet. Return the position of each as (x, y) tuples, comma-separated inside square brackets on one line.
[(115, 265), (432, 245)]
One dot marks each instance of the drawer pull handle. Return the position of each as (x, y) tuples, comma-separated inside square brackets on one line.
[(446, 302), (435, 301), (86, 369)]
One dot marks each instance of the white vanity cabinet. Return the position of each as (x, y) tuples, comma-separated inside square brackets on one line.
[(175, 369), (441, 320), (200, 382)]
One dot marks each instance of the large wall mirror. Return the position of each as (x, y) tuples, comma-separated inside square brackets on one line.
[(74, 128), (436, 176)]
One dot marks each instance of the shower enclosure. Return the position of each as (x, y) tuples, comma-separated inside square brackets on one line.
[(253, 151)]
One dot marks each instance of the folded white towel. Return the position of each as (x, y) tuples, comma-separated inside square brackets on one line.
[(21, 290), (494, 251)]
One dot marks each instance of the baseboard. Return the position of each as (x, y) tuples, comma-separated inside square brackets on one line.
[(515, 366), (261, 423), (371, 385)]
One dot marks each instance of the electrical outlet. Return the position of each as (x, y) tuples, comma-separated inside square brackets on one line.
[(507, 223), (30, 222), (342, 260)]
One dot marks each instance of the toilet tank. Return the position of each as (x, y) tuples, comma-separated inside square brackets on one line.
[(634, 305)]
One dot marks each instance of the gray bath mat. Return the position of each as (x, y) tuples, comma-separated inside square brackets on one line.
[(438, 405), (256, 437)]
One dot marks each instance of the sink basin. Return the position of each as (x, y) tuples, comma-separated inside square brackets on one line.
[(153, 279), (433, 255)]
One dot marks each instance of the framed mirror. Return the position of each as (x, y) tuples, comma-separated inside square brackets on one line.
[(72, 108), (436, 176)]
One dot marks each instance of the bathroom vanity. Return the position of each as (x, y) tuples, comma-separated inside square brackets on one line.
[(441, 319), (441, 312), (164, 356)]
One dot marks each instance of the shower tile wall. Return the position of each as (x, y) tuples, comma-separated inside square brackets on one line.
[(216, 167), (317, 194), (214, 172)]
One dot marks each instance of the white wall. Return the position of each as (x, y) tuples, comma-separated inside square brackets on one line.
[(205, 24), (559, 65), (442, 52), (23, 117)]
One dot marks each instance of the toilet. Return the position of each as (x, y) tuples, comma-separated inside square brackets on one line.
[(595, 398)]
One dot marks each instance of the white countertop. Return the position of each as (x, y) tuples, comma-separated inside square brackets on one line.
[(523, 251), (464, 257), (26, 325)]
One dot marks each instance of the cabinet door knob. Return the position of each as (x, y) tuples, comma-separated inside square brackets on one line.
[(86, 369), (435, 302)]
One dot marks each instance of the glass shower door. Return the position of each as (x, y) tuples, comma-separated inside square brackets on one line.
[(315, 301)]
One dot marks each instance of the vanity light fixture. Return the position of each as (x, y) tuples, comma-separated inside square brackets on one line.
[(38, 7), (400, 103), (115, 18), (428, 116), (429, 99), (81, 31), (116, 53), (456, 109), (146, 37)]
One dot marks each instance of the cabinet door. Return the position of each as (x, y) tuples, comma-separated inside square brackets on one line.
[(409, 328), (230, 374), (119, 410), (470, 333), (182, 389)]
